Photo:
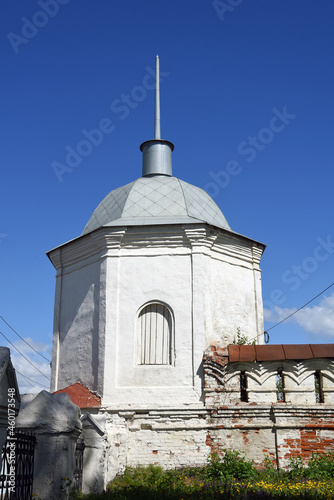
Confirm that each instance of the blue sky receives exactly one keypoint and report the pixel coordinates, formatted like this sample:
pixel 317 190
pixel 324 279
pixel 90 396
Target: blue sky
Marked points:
pixel 247 99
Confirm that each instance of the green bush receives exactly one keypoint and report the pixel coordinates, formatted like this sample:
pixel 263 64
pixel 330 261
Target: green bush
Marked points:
pixel 269 471
pixel 233 466
pixel 138 476
pixel 320 466
pixel 153 478
pixel 297 468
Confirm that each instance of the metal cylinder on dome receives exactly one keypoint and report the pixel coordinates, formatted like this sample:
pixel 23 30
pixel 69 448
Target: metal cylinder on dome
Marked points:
pixel 157 153
pixel 157 157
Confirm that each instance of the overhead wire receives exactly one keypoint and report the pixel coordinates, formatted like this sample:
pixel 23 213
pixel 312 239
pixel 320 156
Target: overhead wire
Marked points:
pixel 24 339
pixel 24 356
pixel 307 303
pixel 266 334
pixel 34 381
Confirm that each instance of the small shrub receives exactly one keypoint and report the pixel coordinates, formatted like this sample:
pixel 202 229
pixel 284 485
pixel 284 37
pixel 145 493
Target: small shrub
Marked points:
pixel 297 468
pixel 138 476
pixel 320 466
pixel 233 466
pixel 269 470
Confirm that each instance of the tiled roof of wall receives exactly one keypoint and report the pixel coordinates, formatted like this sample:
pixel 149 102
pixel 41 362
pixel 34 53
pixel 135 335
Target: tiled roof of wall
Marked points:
pixel 279 352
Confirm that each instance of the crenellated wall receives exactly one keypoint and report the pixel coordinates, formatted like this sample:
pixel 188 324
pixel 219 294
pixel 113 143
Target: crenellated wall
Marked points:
pixel 274 407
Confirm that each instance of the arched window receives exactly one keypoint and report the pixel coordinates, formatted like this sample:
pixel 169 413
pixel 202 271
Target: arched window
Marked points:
pixel 155 335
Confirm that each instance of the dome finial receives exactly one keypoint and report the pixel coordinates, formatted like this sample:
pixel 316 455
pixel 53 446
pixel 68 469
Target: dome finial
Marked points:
pixel 157 153
pixel 157 132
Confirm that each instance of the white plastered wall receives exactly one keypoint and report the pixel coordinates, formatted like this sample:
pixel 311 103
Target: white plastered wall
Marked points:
pixel 209 279
pixel 161 273
pixel 235 292
pixel 76 353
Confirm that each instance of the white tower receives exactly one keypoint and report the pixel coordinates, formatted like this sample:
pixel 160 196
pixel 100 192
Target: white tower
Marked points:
pixel 156 276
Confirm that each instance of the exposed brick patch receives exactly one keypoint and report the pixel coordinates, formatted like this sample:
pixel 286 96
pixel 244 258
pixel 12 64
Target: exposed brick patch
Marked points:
pixel 245 437
pixel 305 442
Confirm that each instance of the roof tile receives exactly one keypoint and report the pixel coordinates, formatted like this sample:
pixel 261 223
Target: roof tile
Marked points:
pixel 269 352
pixel 247 353
pixel 295 351
pixel 323 350
pixel 233 352
pixel 242 353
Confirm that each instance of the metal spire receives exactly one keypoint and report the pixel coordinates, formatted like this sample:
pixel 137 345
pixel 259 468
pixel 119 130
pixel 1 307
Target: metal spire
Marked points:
pixel 157 153
pixel 157 132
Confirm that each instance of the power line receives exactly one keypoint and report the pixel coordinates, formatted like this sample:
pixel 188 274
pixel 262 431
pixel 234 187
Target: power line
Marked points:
pixel 27 378
pixel 24 340
pixel 24 356
pixel 307 303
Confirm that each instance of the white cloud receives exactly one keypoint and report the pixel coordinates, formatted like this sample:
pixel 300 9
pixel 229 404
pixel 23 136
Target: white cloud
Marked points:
pixel 38 346
pixel 317 320
pixel 277 314
pixel 25 368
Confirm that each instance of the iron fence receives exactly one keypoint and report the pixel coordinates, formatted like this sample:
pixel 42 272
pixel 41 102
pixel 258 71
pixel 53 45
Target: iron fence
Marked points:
pixel 79 451
pixel 17 466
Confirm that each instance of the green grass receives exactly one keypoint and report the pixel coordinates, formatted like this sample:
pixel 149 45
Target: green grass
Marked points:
pixel 231 478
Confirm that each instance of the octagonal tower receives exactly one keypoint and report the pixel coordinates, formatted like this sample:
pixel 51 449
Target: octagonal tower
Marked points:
pixel 156 276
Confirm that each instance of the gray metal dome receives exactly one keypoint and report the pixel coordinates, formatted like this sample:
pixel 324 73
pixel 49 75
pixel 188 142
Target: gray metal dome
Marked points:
pixel 157 199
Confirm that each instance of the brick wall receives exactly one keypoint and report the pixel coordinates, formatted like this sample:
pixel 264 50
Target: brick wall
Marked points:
pixel 261 420
pixel 265 419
